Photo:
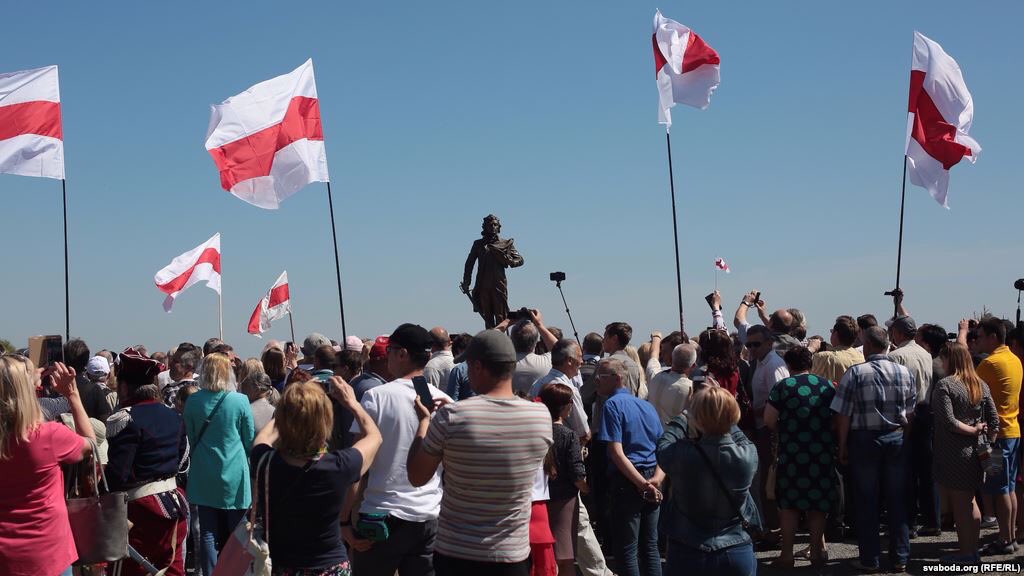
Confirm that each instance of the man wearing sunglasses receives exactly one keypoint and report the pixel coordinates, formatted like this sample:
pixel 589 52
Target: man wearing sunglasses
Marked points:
pixel 769 368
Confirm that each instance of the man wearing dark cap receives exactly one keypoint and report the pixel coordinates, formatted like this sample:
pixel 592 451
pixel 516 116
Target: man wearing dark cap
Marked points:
pixel 907 352
pixel 492 446
pixel 410 511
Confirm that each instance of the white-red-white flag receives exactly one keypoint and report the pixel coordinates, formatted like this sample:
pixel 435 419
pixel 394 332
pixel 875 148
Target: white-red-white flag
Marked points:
pixel 940 116
pixel 276 304
pixel 199 264
pixel 267 142
pixel 686 68
pixel 721 265
pixel 31 138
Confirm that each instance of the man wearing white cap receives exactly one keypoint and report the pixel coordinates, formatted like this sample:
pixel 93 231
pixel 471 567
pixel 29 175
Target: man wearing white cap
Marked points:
pixel 97 372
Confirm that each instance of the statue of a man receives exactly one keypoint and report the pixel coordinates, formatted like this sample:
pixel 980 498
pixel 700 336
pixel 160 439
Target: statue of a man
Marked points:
pixel 490 295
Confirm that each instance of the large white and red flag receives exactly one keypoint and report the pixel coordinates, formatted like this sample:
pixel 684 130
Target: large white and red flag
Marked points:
pixel 686 68
pixel 199 264
pixel 275 305
pixel 267 142
pixel 31 139
pixel 940 116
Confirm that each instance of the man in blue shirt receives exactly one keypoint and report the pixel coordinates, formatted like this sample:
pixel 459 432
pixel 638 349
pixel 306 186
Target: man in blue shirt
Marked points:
pixel 631 428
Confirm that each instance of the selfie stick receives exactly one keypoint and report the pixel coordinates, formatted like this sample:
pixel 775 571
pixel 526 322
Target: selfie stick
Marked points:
pixel 558 284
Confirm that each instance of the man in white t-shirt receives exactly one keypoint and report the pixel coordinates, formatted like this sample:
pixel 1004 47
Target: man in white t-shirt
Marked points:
pixel 410 513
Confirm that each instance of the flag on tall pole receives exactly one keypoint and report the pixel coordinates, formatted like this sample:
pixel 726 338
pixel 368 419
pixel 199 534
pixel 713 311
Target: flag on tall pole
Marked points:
pixel 275 305
pixel 267 142
pixel 940 115
pixel 32 140
pixel 686 68
pixel 200 264
pixel 31 136
pixel 721 265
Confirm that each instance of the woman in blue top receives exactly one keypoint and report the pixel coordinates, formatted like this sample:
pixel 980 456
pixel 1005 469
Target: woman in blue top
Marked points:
pixel 710 465
pixel 220 432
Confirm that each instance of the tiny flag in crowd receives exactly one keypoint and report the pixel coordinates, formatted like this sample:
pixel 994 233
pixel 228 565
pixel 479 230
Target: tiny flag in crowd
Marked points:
pixel 940 116
pixel 267 142
pixel 201 263
pixel 686 68
pixel 31 139
pixel 275 305
pixel 721 265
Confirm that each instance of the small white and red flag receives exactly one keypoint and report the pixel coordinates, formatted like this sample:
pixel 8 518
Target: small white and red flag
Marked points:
pixel 276 304
pixel 721 265
pixel 267 142
pixel 31 138
pixel 686 68
pixel 199 264
pixel 940 116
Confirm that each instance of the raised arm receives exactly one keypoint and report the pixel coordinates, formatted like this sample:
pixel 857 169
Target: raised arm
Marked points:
pixel 371 440
pixel 545 335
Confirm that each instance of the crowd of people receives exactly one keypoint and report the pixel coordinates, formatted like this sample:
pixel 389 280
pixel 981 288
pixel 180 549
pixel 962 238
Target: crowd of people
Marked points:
pixel 516 451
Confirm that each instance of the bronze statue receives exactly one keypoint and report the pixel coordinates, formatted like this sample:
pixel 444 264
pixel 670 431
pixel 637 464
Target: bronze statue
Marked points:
pixel 490 295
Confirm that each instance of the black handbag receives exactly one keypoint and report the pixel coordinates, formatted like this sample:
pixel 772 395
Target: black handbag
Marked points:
pixel 99 524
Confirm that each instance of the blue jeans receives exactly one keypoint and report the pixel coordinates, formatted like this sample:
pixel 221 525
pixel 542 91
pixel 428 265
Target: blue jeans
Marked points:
pixel 634 524
pixel 732 561
pixel 879 466
pixel 215 527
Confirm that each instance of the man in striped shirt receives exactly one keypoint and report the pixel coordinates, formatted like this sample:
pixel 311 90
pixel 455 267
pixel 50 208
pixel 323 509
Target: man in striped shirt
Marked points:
pixel 492 446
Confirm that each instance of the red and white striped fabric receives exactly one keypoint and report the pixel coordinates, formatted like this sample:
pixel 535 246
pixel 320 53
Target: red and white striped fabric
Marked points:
pixel 940 116
pixel 276 304
pixel 199 264
pixel 31 139
pixel 686 68
pixel 267 142
pixel 721 265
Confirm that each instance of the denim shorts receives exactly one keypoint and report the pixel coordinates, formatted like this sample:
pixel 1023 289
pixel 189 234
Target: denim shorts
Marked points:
pixel 1003 483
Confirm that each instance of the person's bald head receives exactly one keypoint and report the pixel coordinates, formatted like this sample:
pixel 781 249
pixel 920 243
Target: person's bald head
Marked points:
pixel 684 356
pixel 781 321
pixel 439 339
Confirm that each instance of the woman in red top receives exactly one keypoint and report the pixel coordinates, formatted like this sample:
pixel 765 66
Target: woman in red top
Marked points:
pixel 35 537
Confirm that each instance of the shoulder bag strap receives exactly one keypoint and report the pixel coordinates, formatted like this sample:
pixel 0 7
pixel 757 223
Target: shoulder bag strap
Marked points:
pixel 721 484
pixel 209 418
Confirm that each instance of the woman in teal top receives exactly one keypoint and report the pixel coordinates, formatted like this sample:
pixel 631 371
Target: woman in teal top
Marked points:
pixel 220 432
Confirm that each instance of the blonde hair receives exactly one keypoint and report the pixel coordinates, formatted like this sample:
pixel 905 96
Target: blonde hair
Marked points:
pixel 714 410
pixel 19 409
pixel 251 366
pixel 961 366
pixel 216 373
pixel 632 353
pixel 304 419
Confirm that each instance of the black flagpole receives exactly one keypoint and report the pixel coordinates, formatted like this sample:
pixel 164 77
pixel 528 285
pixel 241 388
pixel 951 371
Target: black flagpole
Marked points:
pixel 337 265
pixel 899 250
pixel 675 229
pixel 67 297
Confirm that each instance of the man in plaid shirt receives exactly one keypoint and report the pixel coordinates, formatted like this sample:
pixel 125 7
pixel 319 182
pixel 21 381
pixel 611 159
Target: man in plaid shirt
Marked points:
pixel 874 404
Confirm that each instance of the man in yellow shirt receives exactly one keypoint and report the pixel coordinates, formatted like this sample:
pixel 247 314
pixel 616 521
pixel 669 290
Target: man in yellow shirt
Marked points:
pixel 833 363
pixel 1002 371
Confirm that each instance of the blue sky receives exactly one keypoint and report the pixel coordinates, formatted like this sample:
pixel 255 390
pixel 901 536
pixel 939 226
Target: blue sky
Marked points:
pixel 436 114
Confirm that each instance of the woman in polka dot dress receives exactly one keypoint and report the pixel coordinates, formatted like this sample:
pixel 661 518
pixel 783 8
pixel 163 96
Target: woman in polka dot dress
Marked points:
pixel 798 408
